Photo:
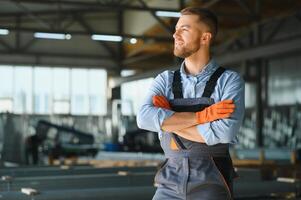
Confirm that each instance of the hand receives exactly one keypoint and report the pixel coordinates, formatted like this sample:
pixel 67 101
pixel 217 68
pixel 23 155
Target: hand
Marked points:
pixel 161 101
pixel 220 110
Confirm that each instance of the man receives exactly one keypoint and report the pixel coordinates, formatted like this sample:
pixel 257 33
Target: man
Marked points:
pixel 197 111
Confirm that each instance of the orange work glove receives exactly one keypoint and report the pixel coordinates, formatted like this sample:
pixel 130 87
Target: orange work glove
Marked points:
pixel 161 101
pixel 173 145
pixel 220 110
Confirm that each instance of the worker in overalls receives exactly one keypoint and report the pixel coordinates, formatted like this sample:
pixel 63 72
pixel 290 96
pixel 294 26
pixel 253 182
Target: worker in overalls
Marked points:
pixel 197 111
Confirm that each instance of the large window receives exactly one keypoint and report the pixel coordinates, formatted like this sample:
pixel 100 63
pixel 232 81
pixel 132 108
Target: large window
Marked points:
pixel 284 81
pixel 250 95
pixel 61 90
pixel 45 90
pixel 22 90
pixel 80 91
pixel 97 91
pixel 6 89
pixel 132 94
pixel 42 90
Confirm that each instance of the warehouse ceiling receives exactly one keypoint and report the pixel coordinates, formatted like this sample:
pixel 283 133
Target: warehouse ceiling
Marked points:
pixel 127 18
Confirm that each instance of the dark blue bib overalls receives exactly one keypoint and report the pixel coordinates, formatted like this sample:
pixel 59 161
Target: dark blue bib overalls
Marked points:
pixel 196 170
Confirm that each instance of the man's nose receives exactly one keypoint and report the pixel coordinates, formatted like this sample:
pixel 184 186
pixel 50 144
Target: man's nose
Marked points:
pixel 176 34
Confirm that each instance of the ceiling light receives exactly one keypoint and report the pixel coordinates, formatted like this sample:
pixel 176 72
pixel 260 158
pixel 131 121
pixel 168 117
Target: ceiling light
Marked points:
pixel 111 38
pixel 55 36
pixel 133 40
pixel 4 31
pixel 168 14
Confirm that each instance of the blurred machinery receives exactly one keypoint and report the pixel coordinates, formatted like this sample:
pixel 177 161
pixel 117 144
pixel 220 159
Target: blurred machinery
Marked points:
pixel 125 132
pixel 281 128
pixel 58 141
pixel 141 141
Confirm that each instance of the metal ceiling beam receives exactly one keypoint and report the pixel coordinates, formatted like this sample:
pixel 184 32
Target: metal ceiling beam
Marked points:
pixel 247 9
pixel 17 35
pixel 30 14
pixel 275 30
pixel 117 81
pixel 225 46
pixel 90 31
pixel 95 4
pixel 56 59
pixel 142 37
pixel 166 27
pixel 68 24
pixel 63 55
pixel 104 8
pixel 29 44
pixel 239 44
pixel 6 45
pixel 210 3
pixel 261 51
pixel 65 11
pixel 182 4
pixel 135 59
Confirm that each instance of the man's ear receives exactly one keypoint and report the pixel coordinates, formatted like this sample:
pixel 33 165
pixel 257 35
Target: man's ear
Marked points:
pixel 206 38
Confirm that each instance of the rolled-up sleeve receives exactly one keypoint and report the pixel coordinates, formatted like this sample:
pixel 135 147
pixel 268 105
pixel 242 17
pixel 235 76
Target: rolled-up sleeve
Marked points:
pixel 150 117
pixel 225 130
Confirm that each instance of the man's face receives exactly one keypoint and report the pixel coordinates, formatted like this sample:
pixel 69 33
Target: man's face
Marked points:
pixel 187 36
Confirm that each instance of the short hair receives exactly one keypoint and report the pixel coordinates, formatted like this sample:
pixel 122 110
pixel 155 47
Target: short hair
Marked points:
pixel 206 16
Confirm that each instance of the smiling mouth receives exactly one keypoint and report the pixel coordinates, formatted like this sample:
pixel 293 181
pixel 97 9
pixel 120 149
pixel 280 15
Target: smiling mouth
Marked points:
pixel 179 43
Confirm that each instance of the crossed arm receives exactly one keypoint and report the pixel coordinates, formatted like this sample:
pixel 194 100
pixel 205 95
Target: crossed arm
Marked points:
pixel 184 123
pixel 160 119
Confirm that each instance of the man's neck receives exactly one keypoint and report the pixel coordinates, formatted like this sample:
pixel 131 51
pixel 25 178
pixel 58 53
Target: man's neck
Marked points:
pixel 196 62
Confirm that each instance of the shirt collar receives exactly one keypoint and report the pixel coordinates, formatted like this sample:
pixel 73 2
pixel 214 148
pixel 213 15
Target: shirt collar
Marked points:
pixel 210 67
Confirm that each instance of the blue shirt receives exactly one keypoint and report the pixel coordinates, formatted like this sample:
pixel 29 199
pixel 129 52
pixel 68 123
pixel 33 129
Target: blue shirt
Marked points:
pixel 229 86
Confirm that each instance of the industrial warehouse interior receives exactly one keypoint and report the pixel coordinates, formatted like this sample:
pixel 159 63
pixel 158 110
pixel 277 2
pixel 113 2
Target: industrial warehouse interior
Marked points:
pixel 74 74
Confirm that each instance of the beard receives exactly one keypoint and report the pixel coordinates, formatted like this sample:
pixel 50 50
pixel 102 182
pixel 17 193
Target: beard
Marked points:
pixel 185 51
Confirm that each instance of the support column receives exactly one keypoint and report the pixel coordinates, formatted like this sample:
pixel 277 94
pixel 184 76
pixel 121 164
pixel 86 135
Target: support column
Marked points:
pixel 18 37
pixel 113 96
pixel 259 65
pixel 259 104
pixel 114 106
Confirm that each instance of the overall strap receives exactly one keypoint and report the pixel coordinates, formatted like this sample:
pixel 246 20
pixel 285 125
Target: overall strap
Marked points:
pixel 178 94
pixel 211 83
pixel 177 85
pixel 178 141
